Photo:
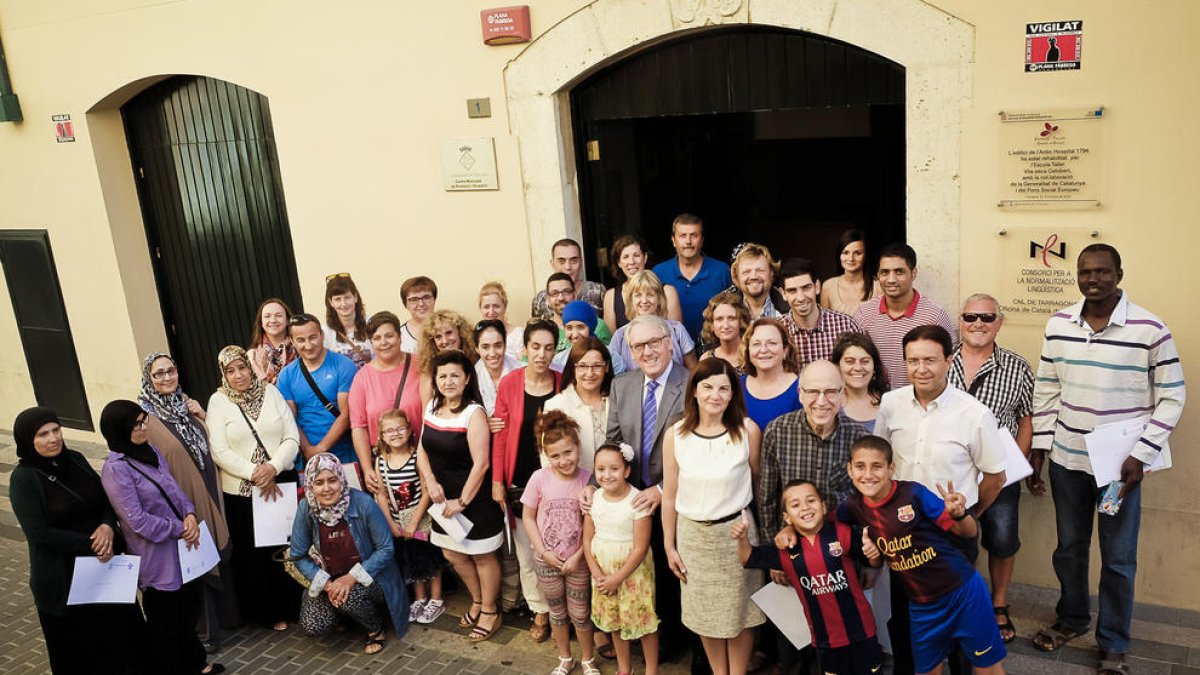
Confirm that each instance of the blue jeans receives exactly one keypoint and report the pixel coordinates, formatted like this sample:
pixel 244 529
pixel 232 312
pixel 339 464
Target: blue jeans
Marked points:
pixel 1075 499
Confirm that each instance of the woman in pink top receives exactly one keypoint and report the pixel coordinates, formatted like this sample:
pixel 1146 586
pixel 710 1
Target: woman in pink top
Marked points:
pixel 391 380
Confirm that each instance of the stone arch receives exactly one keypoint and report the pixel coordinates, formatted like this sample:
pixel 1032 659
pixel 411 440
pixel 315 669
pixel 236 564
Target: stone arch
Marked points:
pixel 936 49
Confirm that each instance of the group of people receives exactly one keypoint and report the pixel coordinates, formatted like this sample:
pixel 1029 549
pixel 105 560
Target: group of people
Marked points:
pixel 627 463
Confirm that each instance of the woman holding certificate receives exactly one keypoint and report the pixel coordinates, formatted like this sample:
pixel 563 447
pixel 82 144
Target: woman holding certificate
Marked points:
pixel 64 513
pixel 155 514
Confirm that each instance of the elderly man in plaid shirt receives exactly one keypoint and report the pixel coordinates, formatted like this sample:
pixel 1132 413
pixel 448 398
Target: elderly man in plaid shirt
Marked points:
pixel 813 329
pixel 814 444
pixel 1003 381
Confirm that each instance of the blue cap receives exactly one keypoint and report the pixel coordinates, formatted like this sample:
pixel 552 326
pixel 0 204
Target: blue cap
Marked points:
pixel 580 310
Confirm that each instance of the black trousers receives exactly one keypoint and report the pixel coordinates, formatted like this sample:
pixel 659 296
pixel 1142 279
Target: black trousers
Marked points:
pixel 900 626
pixel 101 639
pixel 171 623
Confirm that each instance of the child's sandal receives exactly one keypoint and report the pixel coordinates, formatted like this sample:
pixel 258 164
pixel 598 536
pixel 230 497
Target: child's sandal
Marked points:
pixel 479 633
pixel 589 666
pixel 565 665
pixel 375 642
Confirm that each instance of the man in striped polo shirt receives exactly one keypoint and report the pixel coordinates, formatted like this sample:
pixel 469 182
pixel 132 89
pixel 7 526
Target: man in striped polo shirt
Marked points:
pixel 901 309
pixel 1103 360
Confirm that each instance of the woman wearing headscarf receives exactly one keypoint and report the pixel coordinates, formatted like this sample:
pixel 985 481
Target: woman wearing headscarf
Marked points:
pixel 254 442
pixel 175 426
pixel 342 544
pixel 155 514
pixel 60 503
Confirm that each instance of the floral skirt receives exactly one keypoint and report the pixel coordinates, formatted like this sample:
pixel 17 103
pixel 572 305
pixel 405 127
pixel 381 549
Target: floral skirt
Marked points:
pixel 630 611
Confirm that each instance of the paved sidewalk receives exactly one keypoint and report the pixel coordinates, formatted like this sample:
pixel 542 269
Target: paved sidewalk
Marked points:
pixel 1167 640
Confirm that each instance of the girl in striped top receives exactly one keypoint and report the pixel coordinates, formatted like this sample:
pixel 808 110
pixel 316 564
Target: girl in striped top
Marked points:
pixel 406 504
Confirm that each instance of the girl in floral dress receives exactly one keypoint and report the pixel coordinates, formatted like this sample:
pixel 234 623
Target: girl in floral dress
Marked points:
pixel 616 544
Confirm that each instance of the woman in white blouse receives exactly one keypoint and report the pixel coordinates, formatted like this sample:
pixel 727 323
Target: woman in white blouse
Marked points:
pixel 254 442
pixel 494 363
pixel 584 396
pixel 710 465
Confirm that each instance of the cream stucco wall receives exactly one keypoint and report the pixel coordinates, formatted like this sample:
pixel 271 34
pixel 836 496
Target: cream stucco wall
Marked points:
pixel 360 98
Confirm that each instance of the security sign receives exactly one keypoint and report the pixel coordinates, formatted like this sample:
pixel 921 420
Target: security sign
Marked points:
pixel 1057 45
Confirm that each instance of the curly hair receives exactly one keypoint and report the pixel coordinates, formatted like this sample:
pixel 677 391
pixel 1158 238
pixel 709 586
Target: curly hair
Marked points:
pixel 552 426
pixel 707 336
pixel 791 359
pixel 427 348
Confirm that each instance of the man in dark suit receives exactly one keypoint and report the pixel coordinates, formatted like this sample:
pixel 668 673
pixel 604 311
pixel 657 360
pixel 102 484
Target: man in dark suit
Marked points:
pixel 651 398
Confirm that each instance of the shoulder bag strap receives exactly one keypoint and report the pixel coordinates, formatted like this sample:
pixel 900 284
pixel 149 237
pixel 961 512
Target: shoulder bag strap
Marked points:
pixel 153 482
pixel 254 431
pixel 331 407
pixel 54 479
pixel 403 379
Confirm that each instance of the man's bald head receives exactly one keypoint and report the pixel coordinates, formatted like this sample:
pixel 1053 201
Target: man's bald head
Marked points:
pixel 822 392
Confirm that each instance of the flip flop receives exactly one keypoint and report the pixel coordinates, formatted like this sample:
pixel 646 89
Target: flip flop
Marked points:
pixel 1052 638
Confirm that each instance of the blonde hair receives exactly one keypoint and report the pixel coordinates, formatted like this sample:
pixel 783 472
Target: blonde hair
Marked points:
pixel 752 250
pixel 428 347
pixel 494 288
pixel 644 281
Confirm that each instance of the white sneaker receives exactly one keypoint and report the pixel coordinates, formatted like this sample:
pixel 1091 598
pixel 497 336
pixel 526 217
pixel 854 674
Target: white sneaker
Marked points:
pixel 433 609
pixel 414 613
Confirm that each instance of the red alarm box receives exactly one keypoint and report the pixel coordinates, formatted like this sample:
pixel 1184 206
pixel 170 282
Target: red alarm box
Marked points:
pixel 505 25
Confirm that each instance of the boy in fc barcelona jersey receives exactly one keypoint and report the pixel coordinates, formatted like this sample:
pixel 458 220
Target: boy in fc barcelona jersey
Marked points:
pixel 949 602
pixel 821 568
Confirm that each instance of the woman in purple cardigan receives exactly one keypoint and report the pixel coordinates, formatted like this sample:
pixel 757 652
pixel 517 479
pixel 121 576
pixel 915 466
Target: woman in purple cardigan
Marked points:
pixel 154 514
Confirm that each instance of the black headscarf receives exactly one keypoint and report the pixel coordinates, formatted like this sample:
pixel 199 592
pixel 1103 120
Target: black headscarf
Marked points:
pixel 117 422
pixel 25 427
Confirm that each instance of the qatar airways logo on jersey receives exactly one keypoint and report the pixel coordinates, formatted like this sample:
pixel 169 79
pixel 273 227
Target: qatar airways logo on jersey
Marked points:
pixel 820 584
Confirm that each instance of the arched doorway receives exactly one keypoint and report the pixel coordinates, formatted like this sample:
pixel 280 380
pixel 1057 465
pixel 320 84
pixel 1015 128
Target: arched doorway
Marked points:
pixel 208 181
pixel 771 135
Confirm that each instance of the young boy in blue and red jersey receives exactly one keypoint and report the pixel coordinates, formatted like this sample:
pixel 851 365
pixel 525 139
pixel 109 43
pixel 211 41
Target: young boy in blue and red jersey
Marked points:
pixel 821 568
pixel 949 603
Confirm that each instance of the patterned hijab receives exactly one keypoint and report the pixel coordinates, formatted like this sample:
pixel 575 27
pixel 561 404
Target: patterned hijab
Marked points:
pixel 328 515
pixel 172 409
pixel 251 400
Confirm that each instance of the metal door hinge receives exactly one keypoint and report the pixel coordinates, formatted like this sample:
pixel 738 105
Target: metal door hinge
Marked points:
pixel 593 151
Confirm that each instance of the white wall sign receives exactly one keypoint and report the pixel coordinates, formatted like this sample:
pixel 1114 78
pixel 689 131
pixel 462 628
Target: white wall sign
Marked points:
pixel 469 164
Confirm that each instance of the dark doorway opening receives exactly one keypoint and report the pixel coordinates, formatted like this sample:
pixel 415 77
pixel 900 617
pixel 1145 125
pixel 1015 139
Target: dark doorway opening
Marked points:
pixel 204 160
pixel 770 135
pixel 41 315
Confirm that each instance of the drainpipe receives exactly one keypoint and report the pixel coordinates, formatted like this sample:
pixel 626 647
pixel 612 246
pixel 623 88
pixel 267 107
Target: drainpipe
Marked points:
pixel 10 107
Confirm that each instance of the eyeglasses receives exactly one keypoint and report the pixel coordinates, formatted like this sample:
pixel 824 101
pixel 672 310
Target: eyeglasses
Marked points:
pixel 972 317
pixel 815 394
pixel 591 367
pixel 141 423
pixel 653 345
pixel 301 319
pixel 339 275
pixel 420 299
pixel 561 292
pixel 164 374
pixel 394 432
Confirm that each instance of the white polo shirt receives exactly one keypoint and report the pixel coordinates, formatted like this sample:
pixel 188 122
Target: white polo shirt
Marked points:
pixel 954 439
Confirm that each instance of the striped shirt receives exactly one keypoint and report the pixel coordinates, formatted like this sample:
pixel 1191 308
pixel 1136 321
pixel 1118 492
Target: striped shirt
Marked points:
pixel 816 344
pixel 888 333
pixel 1004 384
pixel 1130 368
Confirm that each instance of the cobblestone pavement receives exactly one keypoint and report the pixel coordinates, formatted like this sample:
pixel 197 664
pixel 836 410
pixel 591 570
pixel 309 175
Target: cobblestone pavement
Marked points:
pixel 1167 640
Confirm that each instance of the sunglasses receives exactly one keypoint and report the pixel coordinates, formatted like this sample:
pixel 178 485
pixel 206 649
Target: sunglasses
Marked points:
pixel 972 317
pixel 339 275
pixel 301 319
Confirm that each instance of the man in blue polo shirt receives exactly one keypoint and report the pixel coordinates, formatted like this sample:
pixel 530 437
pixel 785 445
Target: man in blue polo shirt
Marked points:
pixel 324 425
pixel 696 276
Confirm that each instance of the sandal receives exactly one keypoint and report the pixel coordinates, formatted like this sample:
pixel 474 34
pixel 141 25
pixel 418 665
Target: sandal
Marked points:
pixel 565 665
pixel 1008 630
pixel 375 642
pixel 466 620
pixel 589 666
pixel 539 631
pixel 1052 638
pixel 1111 666
pixel 607 651
pixel 479 633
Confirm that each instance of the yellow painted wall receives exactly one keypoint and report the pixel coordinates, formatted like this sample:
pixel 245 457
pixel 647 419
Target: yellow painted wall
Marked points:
pixel 360 94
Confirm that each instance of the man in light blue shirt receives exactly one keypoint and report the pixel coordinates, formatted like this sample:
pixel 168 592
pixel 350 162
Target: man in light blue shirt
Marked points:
pixel 324 425
pixel 694 275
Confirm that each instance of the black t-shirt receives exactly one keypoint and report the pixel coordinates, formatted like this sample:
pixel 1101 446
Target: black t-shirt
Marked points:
pixel 527 450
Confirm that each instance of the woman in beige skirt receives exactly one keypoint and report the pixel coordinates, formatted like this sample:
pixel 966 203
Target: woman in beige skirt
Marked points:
pixel 710 463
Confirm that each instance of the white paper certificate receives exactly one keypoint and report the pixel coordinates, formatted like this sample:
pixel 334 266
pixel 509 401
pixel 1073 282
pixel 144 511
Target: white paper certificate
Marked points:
pixel 456 528
pixel 194 562
pixel 1109 445
pixel 273 520
pixel 782 606
pixel 112 581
